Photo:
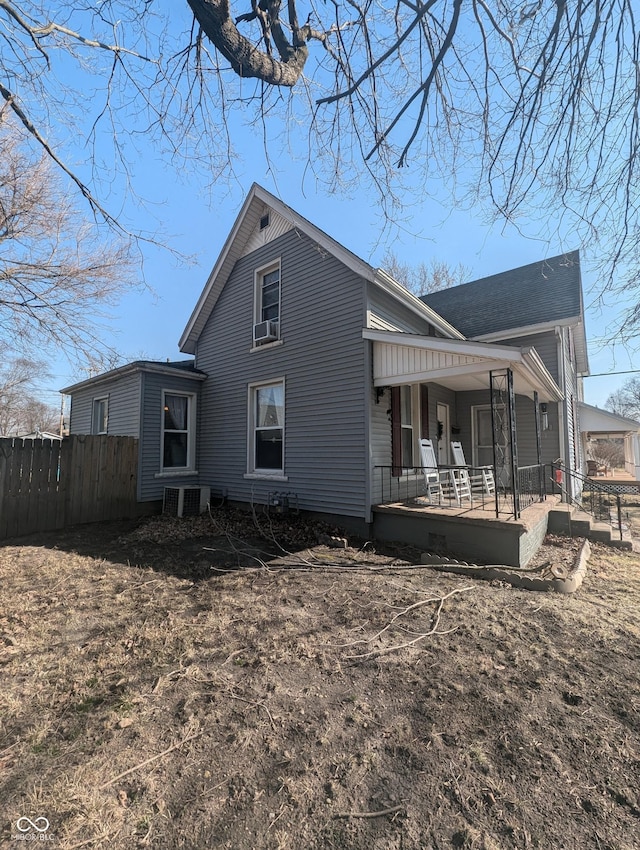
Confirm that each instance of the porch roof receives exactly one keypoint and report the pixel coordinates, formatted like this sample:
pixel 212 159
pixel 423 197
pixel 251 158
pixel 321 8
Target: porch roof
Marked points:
pixel 594 420
pixel 460 365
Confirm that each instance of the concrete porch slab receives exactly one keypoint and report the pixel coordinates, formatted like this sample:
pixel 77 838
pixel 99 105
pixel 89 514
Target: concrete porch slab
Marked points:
pixel 476 535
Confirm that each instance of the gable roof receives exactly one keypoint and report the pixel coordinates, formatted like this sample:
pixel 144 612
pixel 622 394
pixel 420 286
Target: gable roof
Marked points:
pixel 519 302
pixel 544 292
pixel 255 205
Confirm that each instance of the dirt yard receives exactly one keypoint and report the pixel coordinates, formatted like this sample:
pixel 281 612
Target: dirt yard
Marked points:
pixel 187 684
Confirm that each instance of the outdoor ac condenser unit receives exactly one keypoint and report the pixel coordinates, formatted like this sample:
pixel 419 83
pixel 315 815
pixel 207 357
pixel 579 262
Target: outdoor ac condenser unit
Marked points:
pixel 185 501
pixel 265 331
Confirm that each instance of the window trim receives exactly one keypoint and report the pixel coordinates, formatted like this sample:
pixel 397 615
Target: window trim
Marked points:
pixel 252 397
pixel 419 427
pixel 190 431
pixel 259 275
pixel 95 428
pixel 408 426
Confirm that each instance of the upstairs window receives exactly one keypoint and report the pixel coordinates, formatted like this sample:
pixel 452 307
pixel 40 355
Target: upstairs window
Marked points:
pixel 178 438
pixel 100 416
pixel 266 323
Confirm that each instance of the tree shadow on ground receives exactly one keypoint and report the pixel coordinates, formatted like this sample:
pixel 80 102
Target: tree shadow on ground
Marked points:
pixel 194 548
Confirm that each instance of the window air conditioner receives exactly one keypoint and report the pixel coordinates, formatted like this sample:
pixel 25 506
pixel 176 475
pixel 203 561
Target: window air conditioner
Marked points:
pixel 265 331
pixel 185 501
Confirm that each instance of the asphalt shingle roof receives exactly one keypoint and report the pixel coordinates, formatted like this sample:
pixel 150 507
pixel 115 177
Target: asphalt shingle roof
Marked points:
pixel 542 292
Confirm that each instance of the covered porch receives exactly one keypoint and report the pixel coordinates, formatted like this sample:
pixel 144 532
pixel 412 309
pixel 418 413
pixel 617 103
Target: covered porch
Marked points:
pixel 499 402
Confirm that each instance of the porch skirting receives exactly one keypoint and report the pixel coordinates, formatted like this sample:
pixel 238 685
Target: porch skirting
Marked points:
pixel 482 539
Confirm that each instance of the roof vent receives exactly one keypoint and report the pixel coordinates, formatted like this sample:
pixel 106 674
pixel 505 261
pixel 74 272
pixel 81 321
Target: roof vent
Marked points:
pixel 264 221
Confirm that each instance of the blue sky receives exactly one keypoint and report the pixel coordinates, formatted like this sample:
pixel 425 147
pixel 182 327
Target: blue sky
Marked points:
pixel 193 214
pixel 149 323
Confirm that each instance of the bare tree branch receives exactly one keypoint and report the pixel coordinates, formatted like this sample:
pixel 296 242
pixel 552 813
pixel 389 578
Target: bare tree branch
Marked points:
pixel 56 276
pixel 517 109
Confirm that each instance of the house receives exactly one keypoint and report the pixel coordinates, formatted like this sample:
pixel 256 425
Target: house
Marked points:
pixel 315 375
pixel 597 424
pixel 40 435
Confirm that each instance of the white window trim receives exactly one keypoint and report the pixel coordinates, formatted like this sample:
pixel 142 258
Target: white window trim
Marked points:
pixel 257 298
pixel 415 471
pixel 94 403
pixel 252 471
pixel 274 344
pixel 191 436
pixel 415 445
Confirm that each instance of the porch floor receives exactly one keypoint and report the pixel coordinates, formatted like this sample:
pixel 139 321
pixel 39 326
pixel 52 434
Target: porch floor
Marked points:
pixel 616 474
pixel 618 478
pixel 477 512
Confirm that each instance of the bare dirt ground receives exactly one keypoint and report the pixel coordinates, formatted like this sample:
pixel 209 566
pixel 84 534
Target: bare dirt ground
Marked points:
pixel 187 684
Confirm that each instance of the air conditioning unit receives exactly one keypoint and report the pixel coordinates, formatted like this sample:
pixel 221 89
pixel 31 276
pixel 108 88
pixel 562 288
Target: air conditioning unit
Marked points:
pixel 265 331
pixel 185 501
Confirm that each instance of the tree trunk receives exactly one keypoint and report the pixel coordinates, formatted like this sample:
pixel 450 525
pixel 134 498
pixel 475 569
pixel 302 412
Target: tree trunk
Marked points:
pixel 214 16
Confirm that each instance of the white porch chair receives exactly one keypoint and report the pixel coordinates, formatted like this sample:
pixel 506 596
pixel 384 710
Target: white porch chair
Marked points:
pixel 432 475
pixel 483 476
pixel 456 481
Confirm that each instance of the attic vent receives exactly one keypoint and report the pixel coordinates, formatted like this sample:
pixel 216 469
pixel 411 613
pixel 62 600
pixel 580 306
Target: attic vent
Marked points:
pixel 264 221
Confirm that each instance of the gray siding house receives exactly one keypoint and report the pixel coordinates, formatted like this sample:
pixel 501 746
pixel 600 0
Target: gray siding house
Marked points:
pixel 315 375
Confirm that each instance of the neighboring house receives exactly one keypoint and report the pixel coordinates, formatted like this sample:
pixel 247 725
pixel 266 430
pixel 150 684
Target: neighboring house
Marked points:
pixel 315 375
pixel 597 424
pixel 39 435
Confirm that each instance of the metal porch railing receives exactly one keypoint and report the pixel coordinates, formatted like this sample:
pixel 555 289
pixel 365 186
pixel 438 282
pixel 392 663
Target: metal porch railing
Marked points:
pixel 531 485
pixel 597 498
pixel 410 487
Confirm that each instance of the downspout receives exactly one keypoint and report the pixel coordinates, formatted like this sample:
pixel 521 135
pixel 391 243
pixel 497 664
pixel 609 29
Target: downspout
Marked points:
pixel 563 437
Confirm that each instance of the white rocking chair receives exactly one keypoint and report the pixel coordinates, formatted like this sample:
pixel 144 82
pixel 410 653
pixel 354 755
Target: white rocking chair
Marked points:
pixel 483 477
pixel 456 480
pixel 432 475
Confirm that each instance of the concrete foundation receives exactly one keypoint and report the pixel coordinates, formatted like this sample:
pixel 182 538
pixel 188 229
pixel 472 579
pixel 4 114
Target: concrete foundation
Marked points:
pixel 472 538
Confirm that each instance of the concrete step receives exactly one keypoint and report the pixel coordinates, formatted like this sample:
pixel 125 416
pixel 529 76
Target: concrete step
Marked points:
pixel 572 522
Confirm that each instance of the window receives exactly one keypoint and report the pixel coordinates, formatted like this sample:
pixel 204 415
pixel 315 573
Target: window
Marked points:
pixel 406 426
pixel 100 416
pixel 178 412
pixel 267 428
pixel 266 318
pixel 483 436
pixel 409 423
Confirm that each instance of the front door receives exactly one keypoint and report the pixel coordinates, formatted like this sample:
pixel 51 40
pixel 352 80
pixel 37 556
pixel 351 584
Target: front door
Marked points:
pixel 444 432
pixel 483 444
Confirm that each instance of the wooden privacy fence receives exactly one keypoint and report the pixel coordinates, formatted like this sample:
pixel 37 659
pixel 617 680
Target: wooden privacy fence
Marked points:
pixel 48 484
